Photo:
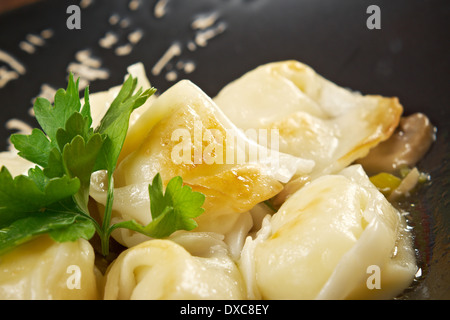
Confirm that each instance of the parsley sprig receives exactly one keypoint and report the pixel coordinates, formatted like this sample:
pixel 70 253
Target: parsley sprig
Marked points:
pixel 53 197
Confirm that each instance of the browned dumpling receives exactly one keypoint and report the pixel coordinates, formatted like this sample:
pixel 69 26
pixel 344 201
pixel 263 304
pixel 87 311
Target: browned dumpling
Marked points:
pixel 316 119
pixel 183 133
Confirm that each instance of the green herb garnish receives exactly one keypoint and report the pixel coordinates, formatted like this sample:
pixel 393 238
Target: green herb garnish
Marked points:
pixel 171 211
pixel 53 197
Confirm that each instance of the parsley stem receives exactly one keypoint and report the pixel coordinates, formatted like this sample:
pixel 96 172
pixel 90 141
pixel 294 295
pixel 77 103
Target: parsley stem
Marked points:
pixel 107 216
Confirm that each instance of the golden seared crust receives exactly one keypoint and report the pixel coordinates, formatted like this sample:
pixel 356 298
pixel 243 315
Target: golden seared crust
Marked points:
pixel 184 134
pixel 384 121
pixel 317 119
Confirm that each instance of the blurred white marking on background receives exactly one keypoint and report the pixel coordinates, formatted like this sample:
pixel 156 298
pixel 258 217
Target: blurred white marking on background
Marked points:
pixel 27 47
pixel 187 67
pixel 7 75
pixel 47 33
pixel 173 51
pixel 204 21
pixel 203 36
pixel 171 75
pixel 85 3
pixel 85 57
pixel 124 23
pixel 87 68
pixel 124 50
pixel 12 62
pixel 135 36
pixel 33 40
pixel 108 40
pixel 134 4
pixel 114 19
pixel 160 9
pixel 19 125
pixel 191 46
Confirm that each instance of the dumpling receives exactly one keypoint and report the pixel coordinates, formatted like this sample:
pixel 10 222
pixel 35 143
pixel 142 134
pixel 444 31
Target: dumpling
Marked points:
pixel 316 119
pixel 189 266
pixel 216 143
pixel 43 269
pixel 336 238
pixel 183 133
pixel 15 164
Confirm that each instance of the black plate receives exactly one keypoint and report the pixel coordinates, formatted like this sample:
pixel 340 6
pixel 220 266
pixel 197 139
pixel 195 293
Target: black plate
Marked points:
pixel 408 58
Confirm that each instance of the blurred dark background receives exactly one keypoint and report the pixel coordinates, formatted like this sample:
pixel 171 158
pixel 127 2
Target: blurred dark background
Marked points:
pixel 8 5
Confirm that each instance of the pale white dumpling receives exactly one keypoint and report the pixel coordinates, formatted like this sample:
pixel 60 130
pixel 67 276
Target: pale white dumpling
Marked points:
pixel 183 133
pixel 16 165
pixel 336 238
pixel 43 269
pixel 316 119
pixel 189 266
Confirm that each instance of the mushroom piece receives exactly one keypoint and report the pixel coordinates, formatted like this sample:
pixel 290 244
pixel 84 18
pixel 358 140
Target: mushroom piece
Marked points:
pixel 408 145
pixel 289 189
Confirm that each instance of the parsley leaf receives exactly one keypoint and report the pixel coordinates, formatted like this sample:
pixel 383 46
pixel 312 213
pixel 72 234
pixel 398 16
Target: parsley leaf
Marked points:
pixel 81 227
pixel 35 204
pixel 59 121
pixel 34 147
pixel 53 198
pixel 24 195
pixel 171 211
pixel 60 226
pixel 115 122
pixel 69 145
pixel 115 126
pixel 76 125
pixel 51 118
pixel 79 157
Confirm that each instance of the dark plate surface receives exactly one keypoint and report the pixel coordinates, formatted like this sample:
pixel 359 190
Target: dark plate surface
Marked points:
pixel 408 58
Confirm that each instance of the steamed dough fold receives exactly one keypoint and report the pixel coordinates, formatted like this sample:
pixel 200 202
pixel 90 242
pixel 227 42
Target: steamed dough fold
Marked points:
pixel 189 266
pixel 316 119
pixel 325 240
pixel 231 187
pixel 43 269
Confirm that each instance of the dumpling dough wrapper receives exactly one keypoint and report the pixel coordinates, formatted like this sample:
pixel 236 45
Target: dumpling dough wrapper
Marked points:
pixel 336 238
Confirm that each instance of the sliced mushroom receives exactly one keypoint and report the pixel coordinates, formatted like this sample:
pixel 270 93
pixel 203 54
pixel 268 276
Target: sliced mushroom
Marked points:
pixel 289 189
pixel 407 146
